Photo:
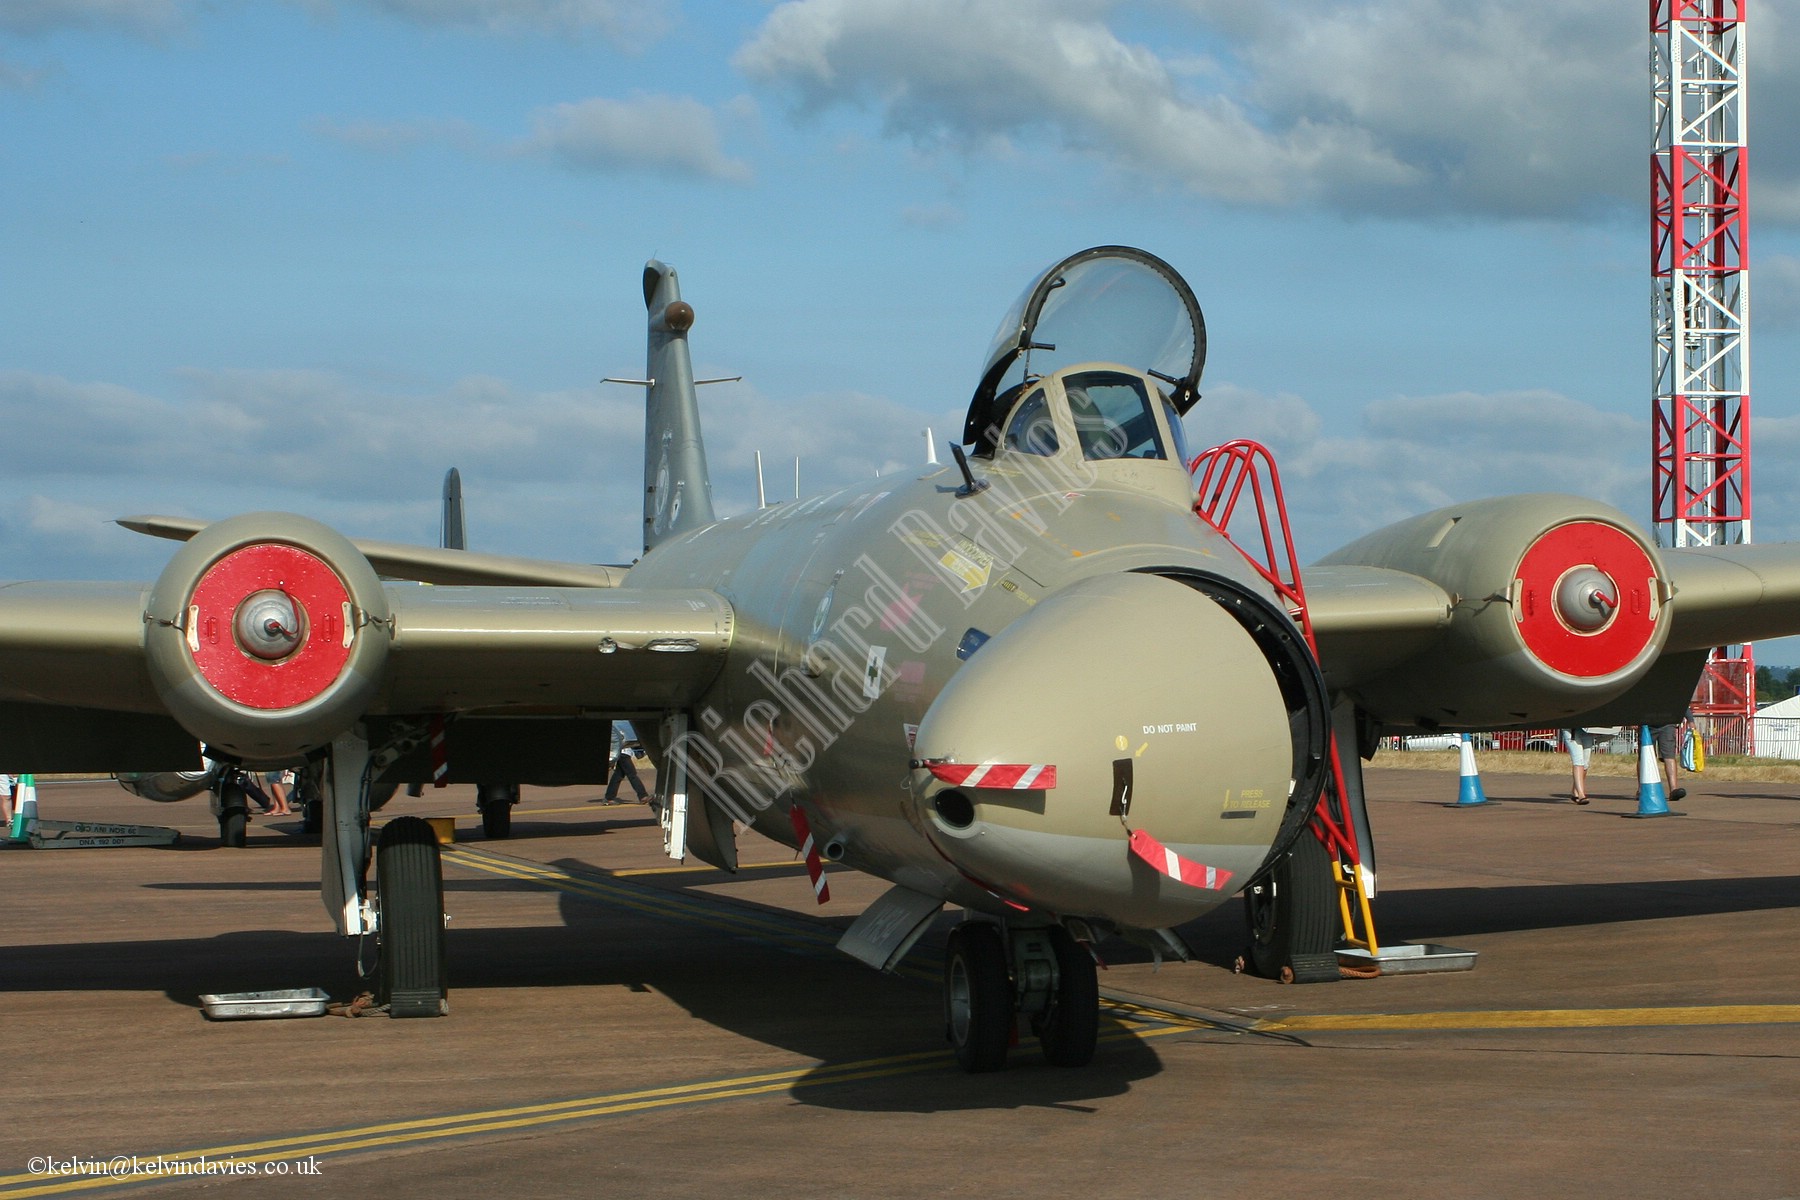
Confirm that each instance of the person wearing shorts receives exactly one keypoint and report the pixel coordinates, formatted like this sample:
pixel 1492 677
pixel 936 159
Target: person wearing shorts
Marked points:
pixel 1668 752
pixel 1581 744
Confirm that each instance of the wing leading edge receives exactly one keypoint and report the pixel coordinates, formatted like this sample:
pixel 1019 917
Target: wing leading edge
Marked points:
pixel 427 564
pixel 69 651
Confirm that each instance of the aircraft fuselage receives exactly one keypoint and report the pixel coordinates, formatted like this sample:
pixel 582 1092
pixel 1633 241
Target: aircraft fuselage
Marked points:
pixel 883 628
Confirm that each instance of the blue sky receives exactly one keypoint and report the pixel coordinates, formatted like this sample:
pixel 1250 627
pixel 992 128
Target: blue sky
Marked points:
pixel 307 254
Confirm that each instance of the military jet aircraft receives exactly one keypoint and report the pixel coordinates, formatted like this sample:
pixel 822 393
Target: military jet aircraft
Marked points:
pixel 1033 684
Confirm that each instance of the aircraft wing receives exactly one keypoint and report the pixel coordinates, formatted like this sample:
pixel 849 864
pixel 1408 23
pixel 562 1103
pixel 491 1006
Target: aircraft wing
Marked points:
pixel 427 564
pixel 1368 618
pixel 1450 620
pixel 78 658
pixel 1727 595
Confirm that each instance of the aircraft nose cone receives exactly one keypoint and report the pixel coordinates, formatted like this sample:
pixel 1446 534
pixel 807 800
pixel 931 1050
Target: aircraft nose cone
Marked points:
pixel 1158 712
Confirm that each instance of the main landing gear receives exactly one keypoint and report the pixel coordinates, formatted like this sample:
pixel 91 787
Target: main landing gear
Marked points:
pixel 410 974
pixel 404 909
pixel 495 803
pixel 1292 917
pixel 231 804
pixel 992 975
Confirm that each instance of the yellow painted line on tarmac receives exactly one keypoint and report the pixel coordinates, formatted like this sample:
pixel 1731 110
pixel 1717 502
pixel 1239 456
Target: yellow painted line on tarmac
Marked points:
pixel 643 899
pixel 164 1166
pixel 1539 1018
pixel 518 811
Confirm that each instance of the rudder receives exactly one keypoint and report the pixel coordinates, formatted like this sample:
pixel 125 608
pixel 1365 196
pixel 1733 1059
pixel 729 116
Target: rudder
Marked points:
pixel 677 488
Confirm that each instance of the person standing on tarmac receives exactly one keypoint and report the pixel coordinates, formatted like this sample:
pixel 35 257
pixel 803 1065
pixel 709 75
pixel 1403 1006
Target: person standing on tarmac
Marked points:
pixel 1581 748
pixel 1668 752
pixel 623 769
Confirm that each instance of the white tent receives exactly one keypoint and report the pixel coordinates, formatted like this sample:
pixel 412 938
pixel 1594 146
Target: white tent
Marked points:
pixel 1778 729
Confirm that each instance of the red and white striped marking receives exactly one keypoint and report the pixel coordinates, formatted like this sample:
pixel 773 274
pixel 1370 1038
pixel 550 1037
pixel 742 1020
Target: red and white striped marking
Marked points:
pixel 1016 777
pixel 815 870
pixel 440 754
pixel 1176 867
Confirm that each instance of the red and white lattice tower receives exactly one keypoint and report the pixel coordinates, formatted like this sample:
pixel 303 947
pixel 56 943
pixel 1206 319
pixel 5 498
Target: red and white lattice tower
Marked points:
pixel 1699 247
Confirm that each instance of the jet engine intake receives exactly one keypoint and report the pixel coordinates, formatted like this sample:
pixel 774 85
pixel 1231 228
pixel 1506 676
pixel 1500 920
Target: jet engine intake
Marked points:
pixel 267 635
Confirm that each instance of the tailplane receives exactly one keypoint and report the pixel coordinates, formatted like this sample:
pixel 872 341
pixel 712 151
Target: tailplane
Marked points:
pixel 677 489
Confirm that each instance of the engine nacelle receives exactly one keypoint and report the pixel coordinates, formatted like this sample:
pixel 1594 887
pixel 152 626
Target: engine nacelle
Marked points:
pixel 1559 608
pixel 267 635
pixel 166 787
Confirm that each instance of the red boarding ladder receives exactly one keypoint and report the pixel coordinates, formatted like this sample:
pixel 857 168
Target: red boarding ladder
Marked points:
pixel 1223 475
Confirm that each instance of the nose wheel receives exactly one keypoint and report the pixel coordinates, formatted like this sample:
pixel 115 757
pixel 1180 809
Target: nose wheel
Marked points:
pixel 1070 1024
pixel 990 977
pixel 978 1000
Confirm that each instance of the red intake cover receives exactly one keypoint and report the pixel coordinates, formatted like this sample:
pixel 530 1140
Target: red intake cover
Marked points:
pixel 317 592
pixel 1586 654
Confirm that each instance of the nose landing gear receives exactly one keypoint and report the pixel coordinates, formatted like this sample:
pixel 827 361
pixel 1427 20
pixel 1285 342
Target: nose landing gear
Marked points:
pixel 990 978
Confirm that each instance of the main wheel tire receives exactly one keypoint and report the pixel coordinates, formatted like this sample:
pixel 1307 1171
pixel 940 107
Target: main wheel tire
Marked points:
pixel 234 828
pixel 1068 1030
pixel 234 815
pixel 495 801
pixel 1291 913
pixel 978 999
pixel 409 883
pixel 312 817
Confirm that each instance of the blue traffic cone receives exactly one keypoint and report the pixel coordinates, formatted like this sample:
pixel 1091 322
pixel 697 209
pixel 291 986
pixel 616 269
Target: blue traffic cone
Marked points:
pixel 1470 793
pixel 24 820
pixel 1652 800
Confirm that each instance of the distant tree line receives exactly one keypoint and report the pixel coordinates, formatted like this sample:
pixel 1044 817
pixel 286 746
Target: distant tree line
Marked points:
pixel 1776 683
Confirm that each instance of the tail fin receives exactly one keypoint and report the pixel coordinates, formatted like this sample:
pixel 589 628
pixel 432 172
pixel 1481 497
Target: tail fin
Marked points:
pixel 455 537
pixel 677 490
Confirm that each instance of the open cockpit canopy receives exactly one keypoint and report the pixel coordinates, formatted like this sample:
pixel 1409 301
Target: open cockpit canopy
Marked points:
pixel 1111 304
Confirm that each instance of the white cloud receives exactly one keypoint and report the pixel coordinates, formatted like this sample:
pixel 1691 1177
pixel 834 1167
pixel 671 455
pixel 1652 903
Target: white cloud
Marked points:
pixel 1405 107
pixel 674 137
pixel 546 474
pixel 982 75
pixel 841 438
pixel 1532 108
pixel 366 460
pixel 631 24
pixel 147 17
pixel 14 78
pixel 665 135
pixel 933 216
pixel 1411 454
pixel 398 137
pixel 1775 293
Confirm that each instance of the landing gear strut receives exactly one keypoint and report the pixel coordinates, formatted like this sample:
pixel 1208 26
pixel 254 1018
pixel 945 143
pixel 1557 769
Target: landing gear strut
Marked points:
pixel 990 977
